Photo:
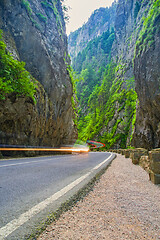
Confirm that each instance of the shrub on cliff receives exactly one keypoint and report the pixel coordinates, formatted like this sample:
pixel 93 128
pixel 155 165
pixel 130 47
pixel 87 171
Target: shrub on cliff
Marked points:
pixel 13 76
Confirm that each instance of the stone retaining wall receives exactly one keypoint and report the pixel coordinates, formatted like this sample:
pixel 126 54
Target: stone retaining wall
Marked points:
pixel 150 161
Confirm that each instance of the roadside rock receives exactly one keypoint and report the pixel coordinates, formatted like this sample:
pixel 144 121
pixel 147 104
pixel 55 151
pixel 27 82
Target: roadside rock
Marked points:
pixel 136 155
pixel 154 173
pixel 149 161
pixel 144 162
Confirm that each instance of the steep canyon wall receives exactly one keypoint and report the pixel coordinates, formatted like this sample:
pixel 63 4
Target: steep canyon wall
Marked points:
pixel 147 78
pixel 135 52
pixel 34 32
pixel 137 42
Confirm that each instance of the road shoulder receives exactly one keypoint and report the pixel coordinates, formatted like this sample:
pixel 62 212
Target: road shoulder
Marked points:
pixel 124 204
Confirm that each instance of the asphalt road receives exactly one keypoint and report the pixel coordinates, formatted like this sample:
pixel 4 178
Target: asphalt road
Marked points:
pixel 31 188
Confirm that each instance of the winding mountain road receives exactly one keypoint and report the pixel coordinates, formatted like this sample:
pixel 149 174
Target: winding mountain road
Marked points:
pixel 31 188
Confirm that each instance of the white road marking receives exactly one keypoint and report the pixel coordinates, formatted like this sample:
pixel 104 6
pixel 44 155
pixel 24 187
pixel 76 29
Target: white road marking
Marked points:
pixel 15 164
pixel 23 218
pixel 99 165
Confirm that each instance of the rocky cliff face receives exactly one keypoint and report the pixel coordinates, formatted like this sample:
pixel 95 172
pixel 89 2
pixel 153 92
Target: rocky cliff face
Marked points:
pixel 138 39
pixel 100 21
pixel 147 77
pixel 34 32
pixel 136 25
pixel 127 26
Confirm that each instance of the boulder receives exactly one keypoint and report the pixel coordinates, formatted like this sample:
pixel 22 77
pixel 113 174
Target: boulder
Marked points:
pixel 154 157
pixel 136 154
pixel 144 162
pixel 155 178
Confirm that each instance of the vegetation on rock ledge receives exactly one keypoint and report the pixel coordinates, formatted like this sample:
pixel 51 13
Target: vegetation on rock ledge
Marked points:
pixel 106 94
pixel 13 76
pixel 102 122
pixel 150 27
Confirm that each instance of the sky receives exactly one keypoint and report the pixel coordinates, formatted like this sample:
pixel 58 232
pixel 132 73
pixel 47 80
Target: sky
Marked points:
pixel 81 10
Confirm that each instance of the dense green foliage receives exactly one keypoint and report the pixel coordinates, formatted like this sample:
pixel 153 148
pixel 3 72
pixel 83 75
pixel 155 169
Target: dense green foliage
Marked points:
pixel 74 99
pixel 150 27
pixel 88 81
pixel 102 103
pixel 13 76
pixel 96 52
pixel 107 109
pixel 93 28
pixel 90 66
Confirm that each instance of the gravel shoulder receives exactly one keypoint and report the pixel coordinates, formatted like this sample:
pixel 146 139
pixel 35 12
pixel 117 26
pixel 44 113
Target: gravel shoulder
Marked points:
pixel 124 204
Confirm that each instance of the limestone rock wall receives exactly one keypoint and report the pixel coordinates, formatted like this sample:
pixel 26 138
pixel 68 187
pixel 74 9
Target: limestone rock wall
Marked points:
pixel 127 27
pixel 100 21
pixel 35 33
pixel 147 78
pixel 25 123
pixel 142 65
